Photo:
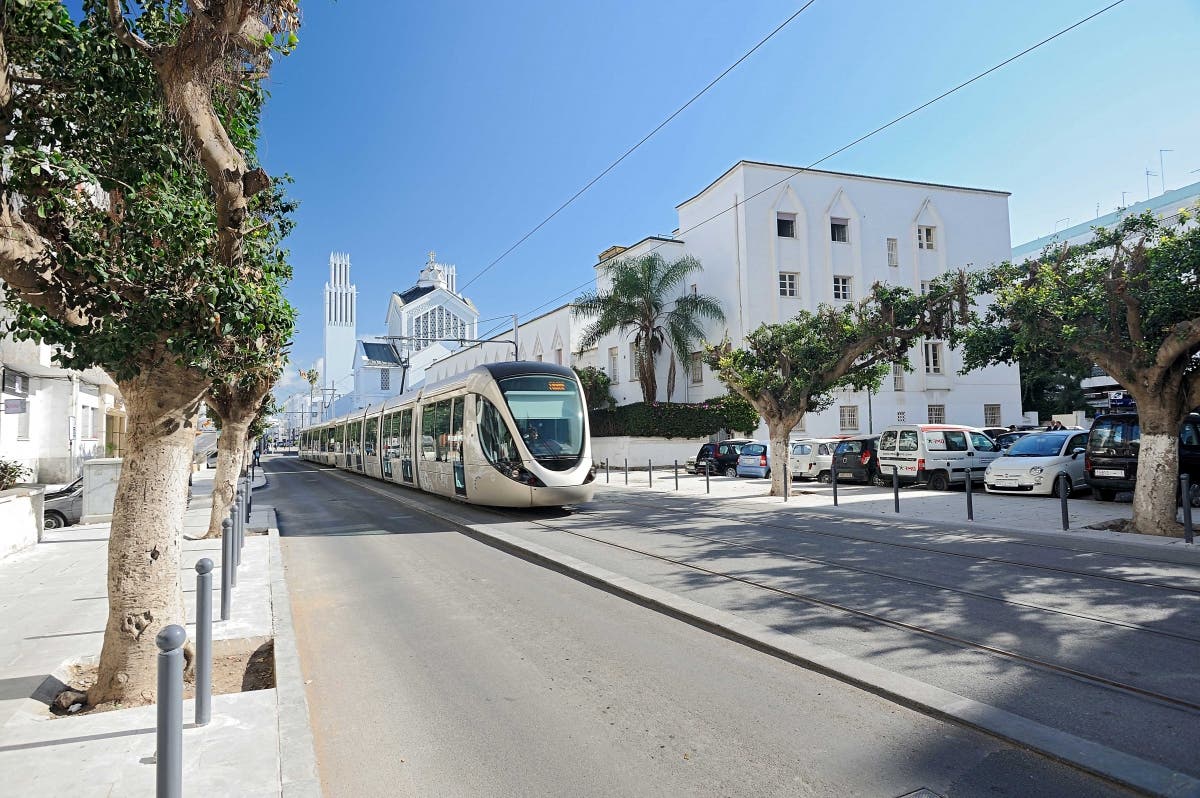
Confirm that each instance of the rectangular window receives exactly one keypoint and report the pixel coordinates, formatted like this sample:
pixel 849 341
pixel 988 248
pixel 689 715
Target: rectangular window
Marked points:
pixel 694 290
pixel 612 364
pixel 842 289
pixel 633 363
pixel 848 416
pixel 991 415
pixel 787 283
pixel 933 357
pixel 785 225
pixel 370 436
pixel 385 379
pixel 558 356
pixel 697 368
pixel 839 230
pixel 799 427
pixel 937 414
pixel 926 237
pixel 897 377
pixel 893 252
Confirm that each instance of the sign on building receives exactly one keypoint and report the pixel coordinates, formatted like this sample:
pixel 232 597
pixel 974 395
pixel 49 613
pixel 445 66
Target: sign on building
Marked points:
pixel 14 406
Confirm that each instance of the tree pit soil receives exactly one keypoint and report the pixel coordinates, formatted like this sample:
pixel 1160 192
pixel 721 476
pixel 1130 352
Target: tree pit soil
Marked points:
pixel 238 666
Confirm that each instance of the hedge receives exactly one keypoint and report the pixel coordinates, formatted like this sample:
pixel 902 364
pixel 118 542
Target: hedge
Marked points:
pixel 675 420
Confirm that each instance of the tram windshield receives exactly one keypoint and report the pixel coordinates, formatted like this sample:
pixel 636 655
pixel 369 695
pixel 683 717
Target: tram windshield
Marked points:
pixel 548 414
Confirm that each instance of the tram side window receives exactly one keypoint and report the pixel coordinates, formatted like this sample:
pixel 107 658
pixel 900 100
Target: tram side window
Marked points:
pixel 494 437
pixel 435 428
pixel 391 435
pixel 406 452
pixel 456 430
pixel 372 435
pixel 339 439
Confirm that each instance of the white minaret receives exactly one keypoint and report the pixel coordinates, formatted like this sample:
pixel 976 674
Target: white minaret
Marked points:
pixel 341 307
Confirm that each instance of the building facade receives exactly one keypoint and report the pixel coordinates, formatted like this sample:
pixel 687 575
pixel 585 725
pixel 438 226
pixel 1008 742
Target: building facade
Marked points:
pixel 341 319
pixel 552 337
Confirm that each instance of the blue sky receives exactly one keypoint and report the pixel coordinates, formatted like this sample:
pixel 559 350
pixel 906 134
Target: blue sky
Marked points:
pixel 458 126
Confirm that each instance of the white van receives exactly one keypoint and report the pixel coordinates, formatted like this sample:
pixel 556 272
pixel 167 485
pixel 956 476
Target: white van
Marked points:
pixel 936 454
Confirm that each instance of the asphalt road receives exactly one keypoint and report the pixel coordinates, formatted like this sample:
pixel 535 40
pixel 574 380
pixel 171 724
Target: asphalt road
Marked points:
pixel 438 666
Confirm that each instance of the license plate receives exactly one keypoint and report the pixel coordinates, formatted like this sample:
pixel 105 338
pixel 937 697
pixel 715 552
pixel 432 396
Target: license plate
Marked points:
pixel 1110 472
pixel 1007 482
pixel 845 475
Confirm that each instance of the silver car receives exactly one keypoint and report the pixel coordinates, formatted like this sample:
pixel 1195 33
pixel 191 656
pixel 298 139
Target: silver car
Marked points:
pixel 64 506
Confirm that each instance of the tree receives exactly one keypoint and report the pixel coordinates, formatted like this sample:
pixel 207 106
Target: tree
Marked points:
pixel 109 249
pixel 790 369
pixel 1128 301
pixel 238 404
pixel 640 291
pixel 1050 382
pixel 597 387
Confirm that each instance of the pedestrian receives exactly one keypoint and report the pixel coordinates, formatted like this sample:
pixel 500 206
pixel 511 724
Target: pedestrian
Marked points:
pixel 257 454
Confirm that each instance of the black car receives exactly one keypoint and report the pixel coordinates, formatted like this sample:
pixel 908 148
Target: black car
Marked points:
pixel 718 458
pixel 857 460
pixel 1111 460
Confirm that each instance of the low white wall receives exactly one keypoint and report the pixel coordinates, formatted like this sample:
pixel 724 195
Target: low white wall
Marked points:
pixel 640 451
pixel 20 519
pixel 100 489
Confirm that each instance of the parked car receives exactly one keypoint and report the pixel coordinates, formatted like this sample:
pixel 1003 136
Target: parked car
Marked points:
pixel 1007 439
pixel 857 460
pixel 993 432
pixel 754 460
pixel 1045 463
pixel 937 454
pixel 64 506
pixel 1111 459
pixel 812 459
pixel 718 458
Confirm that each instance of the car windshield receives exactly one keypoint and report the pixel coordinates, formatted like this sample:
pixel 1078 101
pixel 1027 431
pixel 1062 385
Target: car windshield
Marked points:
pixel 752 449
pixel 548 413
pixel 1037 446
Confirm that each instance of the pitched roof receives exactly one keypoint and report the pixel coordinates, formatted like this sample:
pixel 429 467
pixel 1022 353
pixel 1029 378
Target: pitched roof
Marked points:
pixel 380 353
pixel 416 292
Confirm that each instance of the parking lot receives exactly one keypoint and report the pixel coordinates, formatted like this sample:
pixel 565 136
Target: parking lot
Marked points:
pixel 1007 512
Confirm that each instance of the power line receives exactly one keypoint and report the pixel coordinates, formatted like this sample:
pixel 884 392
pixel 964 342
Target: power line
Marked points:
pixel 862 138
pixel 631 150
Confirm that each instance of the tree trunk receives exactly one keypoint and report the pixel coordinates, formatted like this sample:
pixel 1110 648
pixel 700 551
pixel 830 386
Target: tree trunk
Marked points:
pixel 231 449
pixel 648 379
pixel 778 431
pixel 145 543
pixel 1154 509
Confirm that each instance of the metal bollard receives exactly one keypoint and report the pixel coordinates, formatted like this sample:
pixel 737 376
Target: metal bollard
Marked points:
pixel 607 476
pixel 787 482
pixel 896 487
pixel 203 641
pixel 650 472
pixel 676 475
pixel 1062 498
pixel 833 481
pixel 226 567
pixel 168 759
pixel 970 497
pixel 249 499
pixel 707 477
pixel 626 470
pixel 1187 508
pixel 233 546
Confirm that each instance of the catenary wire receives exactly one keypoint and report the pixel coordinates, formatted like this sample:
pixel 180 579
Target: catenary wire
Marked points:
pixel 860 139
pixel 644 139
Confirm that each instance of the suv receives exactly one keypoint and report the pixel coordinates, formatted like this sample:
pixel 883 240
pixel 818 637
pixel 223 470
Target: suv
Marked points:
pixel 857 459
pixel 1110 463
pixel 718 458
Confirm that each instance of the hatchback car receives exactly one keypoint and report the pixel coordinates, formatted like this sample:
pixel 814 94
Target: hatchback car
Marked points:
pixel 1111 460
pixel 1045 463
pixel 857 460
pixel 755 460
pixel 718 458
pixel 812 459
pixel 64 506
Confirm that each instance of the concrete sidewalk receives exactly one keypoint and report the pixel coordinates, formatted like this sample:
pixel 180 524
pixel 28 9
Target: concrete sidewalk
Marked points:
pixel 53 610
pixel 1003 513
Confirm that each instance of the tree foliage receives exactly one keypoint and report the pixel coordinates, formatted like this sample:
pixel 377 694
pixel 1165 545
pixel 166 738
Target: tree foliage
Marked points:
pixel 597 387
pixel 645 298
pixel 790 369
pixel 1127 300
pixel 674 420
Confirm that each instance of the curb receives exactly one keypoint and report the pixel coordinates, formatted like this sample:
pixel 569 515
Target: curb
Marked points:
pixel 1107 763
pixel 297 755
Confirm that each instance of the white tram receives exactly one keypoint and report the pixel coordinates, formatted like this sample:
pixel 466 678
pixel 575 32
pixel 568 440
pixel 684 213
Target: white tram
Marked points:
pixel 503 434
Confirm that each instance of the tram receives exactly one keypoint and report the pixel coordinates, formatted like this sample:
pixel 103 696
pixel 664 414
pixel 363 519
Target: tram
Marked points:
pixel 509 434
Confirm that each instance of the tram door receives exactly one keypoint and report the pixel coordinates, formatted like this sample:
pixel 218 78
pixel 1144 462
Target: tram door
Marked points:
pixel 406 445
pixel 457 444
pixel 371 445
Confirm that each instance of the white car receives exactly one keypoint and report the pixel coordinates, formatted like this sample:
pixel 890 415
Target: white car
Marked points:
pixel 1042 463
pixel 812 458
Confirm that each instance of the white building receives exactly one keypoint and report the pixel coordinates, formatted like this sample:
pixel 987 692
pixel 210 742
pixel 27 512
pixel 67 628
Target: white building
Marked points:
pixel 1100 389
pixel 51 418
pixel 551 337
pixel 776 239
pixel 341 313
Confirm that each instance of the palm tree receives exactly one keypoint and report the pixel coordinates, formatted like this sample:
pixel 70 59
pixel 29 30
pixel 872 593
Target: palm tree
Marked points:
pixel 641 299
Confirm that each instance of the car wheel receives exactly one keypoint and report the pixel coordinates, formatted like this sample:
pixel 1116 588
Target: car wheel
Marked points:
pixel 768 474
pixel 1105 494
pixel 1061 483
pixel 54 520
pixel 825 477
pixel 939 481
pixel 731 472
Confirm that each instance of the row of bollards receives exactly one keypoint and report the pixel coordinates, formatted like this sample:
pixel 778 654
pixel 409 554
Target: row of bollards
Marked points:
pixel 170 640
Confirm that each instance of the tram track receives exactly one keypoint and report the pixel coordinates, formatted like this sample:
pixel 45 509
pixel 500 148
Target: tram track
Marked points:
pixel 1076 674
pixel 930 549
